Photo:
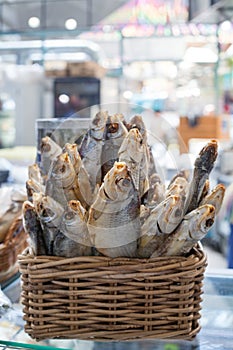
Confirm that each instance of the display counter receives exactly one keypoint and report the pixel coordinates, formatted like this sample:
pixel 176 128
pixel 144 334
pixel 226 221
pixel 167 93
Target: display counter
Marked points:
pixel 216 321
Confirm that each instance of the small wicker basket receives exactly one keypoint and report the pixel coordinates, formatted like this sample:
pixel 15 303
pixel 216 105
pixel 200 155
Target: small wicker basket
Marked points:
pixel 103 299
pixel 14 244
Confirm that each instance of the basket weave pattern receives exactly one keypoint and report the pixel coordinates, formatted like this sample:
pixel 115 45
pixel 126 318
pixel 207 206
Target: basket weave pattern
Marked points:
pixel 103 299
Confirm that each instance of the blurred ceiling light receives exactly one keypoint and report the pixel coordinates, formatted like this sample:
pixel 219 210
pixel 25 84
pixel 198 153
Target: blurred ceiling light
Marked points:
pixel 63 98
pixel 127 94
pixel 34 22
pixel 71 24
pixel 200 55
pixel 226 26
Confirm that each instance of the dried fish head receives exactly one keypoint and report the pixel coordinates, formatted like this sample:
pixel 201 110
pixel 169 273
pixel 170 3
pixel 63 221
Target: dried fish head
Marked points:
pixel 179 186
pixel 215 197
pixel 118 182
pixel 75 158
pixel 115 127
pixel 49 151
pixel 62 171
pixel 115 134
pixel 172 214
pixel 137 122
pixel 202 167
pixel 98 124
pixel 74 224
pixel 200 221
pixel 48 210
pixel 132 146
pixel 34 173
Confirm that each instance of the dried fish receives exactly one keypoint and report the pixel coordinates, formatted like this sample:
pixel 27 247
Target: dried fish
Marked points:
pixel 50 213
pixel 9 216
pixel 138 123
pixel 155 193
pixel 34 173
pixel 193 228
pixel 33 187
pixel 62 183
pixel 91 148
pixel 49 151
pixel 115 133
pixel 114 217
pixel 163 219
pixel 202 167
pixel 131 152
pixel 33 227
pixel 74 226
pixel 84 190
pixel 205 191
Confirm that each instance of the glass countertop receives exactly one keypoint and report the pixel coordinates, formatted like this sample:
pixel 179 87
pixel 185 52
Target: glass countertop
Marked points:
pixel 216 322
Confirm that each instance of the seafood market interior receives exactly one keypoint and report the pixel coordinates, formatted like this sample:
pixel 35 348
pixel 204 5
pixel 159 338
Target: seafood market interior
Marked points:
pixel 117 114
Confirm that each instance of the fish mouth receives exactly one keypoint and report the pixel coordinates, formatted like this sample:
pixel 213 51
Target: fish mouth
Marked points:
pixel 205 222
pixel 47 215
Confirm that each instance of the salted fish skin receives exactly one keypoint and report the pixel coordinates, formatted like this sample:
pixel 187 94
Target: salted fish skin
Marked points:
pixel 114 217
pixel 193 228
pixel 33 227
pixel 115 134
pixel 66 247
pixel 74 226
pixel 90 149
pixel 202 167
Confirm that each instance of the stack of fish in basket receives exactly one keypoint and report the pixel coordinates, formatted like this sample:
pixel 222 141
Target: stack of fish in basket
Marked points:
pixel 114 253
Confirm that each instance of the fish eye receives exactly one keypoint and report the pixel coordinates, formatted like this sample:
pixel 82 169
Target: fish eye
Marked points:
pixel 112 128
pixel 209 222
pixel 70 215
pixel 126 182
pixel 62 169
pixel 178 212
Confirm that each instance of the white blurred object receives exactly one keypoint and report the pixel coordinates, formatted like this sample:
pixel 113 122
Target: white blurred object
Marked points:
pixel 5 303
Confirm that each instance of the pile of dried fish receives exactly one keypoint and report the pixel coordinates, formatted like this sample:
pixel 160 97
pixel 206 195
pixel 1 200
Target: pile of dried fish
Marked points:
pixel 11 201
pixel 104 196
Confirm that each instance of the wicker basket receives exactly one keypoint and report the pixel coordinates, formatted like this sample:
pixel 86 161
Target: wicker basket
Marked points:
pixel 103 299
pixel 14 244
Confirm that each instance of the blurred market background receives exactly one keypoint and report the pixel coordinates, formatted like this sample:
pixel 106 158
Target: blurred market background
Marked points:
pixel 170 61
